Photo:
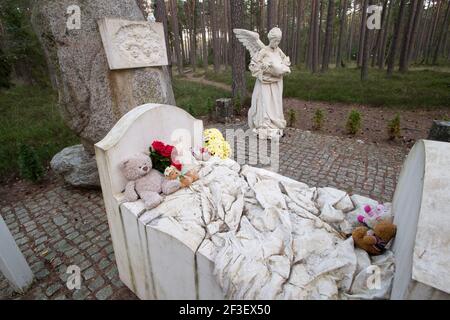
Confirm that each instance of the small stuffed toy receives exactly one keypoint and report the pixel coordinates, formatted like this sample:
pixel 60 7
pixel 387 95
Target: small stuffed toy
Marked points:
pixel 372 215
pixel 185 179
pixel 201 154
pixel 374 241
pixel 145 182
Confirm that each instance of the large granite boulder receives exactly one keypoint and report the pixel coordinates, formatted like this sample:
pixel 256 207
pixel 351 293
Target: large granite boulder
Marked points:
pixel 91 96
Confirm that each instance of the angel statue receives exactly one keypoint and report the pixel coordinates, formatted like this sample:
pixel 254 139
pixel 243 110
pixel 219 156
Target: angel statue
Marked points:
pixel 268 65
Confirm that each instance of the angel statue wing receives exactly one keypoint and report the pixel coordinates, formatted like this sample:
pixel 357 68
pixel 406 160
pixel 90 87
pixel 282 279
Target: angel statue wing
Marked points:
pixel 250 40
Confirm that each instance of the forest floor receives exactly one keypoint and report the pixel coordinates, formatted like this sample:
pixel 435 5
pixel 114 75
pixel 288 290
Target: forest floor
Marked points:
pixel 415 122
pixel 419 88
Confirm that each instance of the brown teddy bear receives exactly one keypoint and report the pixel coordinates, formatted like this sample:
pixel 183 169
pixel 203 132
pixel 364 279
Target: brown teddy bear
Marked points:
pixel 186 179
pixel 374 241
pixel 145 182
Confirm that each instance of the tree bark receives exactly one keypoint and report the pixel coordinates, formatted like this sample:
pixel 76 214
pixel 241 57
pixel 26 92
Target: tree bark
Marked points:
pixel 395 38
pixel 204 40
pixel 215 37
pixel 260 19
pixel 417 20
pixel 161 16
pixel 328 36
pixel 386 26
pixel 403 63
pixel 442 33
pixel 176 35
pixel 376 51
pixel 315 36
pixel 321 14
pixel 433 31
pixel 365 50
pixel 362 31
pixel 300 10
pixel 272 14
pixel 238 58
pixel 192 33
pixel 351 35
pixel 343 23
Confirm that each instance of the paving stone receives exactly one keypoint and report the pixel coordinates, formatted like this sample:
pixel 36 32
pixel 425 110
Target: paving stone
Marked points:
pixel 104 293
pixel 41 274
pixel 80 294
pixel 96 284
pixel 104 263
pixel 52 289
pixel 60 220
pixel 89 273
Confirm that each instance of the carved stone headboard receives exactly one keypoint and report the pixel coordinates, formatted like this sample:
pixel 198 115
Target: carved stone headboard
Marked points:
pixel 135 131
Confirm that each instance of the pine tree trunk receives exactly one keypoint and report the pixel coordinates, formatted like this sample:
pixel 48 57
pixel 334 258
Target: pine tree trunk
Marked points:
pixel 386 26
pixel 403 63
pixel 215 36
pixel 177 41
pixel 238 57
pixel 395 38
pixel 379 34
pixel 366 46
pixel 417 20
pixel 261 16
pixel 350 37
pixel 300 5
pixel 362 31
pixel 442 33
pixel 191 5
pixel 328 36
pixel 161 16
pixel 430 41
pixel 272 14
pixel 315 36
pixel 343 23
pixel 204 40
pixel 321 14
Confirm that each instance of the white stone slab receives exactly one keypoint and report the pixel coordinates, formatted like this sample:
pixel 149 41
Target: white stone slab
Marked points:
pixel 420 207
pixel 133 133
pixel 12 262
pixel 208 287
pixel 133 44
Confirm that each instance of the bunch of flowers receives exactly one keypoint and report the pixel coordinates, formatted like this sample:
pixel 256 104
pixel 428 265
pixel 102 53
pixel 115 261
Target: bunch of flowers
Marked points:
pixel 215 143
pixel 161 155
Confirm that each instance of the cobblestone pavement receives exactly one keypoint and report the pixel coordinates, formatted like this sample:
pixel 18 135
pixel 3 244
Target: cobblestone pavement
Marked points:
pixel 320 160
pixel 56 226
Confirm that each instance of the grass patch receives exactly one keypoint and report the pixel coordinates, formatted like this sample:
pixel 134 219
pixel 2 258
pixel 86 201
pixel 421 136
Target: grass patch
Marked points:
pixel 195 98
pixel 415 89
pixel 30 116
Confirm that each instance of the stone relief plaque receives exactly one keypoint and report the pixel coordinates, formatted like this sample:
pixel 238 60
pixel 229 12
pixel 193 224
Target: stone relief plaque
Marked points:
pixel 133 44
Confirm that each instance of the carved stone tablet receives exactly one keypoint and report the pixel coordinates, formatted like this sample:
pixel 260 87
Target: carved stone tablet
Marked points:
pixel 133 44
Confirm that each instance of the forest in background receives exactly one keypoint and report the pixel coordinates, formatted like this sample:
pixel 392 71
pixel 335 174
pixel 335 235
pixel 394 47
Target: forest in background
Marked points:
pixel 317 34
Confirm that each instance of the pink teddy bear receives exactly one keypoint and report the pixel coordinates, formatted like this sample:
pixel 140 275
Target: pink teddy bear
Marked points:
pixel 373 215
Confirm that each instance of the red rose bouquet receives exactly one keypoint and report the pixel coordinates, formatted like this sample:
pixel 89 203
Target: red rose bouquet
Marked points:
pixel 161 155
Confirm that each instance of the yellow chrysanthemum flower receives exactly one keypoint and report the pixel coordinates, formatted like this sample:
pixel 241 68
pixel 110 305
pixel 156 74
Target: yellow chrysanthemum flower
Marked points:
pixel 216 144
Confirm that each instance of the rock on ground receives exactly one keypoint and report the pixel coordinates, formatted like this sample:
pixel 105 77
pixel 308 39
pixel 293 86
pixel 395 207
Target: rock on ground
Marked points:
pixel 77 166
